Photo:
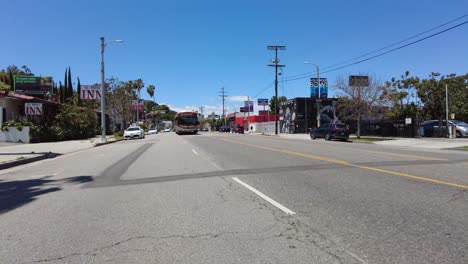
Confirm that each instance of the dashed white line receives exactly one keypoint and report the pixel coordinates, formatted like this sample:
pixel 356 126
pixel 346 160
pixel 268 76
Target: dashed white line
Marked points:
pixel 356 257
pixel 194 152
pixel 266 198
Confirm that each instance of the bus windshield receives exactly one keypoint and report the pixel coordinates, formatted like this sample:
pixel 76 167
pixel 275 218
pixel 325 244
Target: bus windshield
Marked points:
pixel 188 120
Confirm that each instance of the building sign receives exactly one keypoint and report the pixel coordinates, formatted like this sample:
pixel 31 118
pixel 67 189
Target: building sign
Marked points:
pixel 140 105
pixel 358 80
pixel 263 112
pixel 242 109
pixel 90 92
pixel 262 102
pixel 318 89
pixel 33 85
pixel 248 106
pixel 33 108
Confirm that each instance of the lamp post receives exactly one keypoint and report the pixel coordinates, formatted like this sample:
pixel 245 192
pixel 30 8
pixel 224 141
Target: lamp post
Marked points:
pixel 318 99
pixel 103 91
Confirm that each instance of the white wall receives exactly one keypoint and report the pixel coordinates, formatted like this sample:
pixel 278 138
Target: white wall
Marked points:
pixel 12 107
pixel 14 135
pixel 264 127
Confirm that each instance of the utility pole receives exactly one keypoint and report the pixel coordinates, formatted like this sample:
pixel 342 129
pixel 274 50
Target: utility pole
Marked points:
pixel 223 95
pixel 276 65
pixel 248 112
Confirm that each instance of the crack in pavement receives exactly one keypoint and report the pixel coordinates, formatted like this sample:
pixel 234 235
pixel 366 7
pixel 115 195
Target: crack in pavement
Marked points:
pixel 97 251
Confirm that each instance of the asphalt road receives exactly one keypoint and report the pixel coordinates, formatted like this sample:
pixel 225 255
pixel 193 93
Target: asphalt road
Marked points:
pixel 226 198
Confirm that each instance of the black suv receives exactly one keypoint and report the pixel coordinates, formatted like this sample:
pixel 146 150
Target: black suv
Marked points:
pixel 331 131
pixel 225 129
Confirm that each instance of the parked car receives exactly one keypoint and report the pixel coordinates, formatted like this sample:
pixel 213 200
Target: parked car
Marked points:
pixel 134 132
pixel 167 130
pixel 152 131
pixel 225 129
pixel 430 128
pixel 331 131
pixel 238 129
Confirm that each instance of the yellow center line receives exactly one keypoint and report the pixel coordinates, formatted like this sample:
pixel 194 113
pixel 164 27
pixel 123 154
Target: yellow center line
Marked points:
pixel 342 162
pixel 378 152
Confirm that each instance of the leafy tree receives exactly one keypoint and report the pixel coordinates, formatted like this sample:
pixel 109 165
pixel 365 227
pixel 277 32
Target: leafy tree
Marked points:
pixel 149 105
pixel 6 75
pixel 431 93
pixel 119 96
pixel 358 101
pixel 281 99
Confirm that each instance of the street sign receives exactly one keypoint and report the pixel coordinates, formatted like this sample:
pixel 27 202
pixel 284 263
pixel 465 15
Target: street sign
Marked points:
pixel 33 108
pixel 90 92
pixel 248 106
pixel 315 86
pixel 358 80
pixel 262 102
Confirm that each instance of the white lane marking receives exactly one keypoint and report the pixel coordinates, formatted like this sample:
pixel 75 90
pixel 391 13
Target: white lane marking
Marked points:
pixel 216 166
pixel 356 257
pixel 194 152
pixel 266 198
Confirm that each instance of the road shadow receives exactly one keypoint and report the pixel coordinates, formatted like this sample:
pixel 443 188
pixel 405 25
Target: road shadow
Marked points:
pixel 14 194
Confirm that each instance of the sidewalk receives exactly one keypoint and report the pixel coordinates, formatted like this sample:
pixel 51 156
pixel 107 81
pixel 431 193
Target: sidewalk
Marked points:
pixel 14 154
pixel 428 143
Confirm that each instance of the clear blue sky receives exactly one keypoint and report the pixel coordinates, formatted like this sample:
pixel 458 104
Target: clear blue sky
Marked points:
pixel 190 49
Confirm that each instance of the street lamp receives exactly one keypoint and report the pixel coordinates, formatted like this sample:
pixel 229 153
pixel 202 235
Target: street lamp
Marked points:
pixel 318 99
pixel 103 94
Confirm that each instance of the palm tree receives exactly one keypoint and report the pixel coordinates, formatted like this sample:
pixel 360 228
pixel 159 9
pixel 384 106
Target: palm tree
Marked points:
pixel 150 90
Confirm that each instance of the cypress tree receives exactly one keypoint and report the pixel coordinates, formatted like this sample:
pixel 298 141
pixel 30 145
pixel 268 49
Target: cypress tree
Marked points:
pixel 78 89
pixel 65 86
pixel 70 84
pixel 60 92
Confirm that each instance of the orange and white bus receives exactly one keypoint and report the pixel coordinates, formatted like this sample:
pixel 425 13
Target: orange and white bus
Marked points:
pixel 186 122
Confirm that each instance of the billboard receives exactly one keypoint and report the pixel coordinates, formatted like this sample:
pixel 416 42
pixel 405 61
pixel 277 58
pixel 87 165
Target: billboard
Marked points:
pixel 316 86
pixel 262 102
pixel 358 80
pixel 90 92
pixel 32 85
pixel 248 106
pixel 140 105
pixel 33 108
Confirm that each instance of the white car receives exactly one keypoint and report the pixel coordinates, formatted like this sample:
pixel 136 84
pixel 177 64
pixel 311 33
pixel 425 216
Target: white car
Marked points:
pixel 134 132
pixel 152 131
pixel 167 130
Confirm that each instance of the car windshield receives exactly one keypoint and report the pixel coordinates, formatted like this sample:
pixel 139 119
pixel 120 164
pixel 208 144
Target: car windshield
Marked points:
pixel 459 123
pixel 133 129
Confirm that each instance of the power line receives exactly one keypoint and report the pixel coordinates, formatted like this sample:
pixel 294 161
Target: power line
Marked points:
pixel 393 44
pixel 306 75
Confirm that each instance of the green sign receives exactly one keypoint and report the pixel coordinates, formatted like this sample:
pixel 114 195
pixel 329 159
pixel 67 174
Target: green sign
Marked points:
pixel 33 85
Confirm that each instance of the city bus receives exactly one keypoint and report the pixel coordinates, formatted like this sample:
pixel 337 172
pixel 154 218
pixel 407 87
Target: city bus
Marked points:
pixel 186 122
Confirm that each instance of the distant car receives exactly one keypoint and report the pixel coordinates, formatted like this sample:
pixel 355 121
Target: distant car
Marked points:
pixel 225 129
pixel 331 131
pixel 152 131
pixel 167 130
pixel 134 132
pixel 238 129
pixel 430 128
pixel 205 129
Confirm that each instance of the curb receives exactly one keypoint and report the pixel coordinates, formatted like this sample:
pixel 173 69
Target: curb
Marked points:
pixel 106 143
pixel 15 163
